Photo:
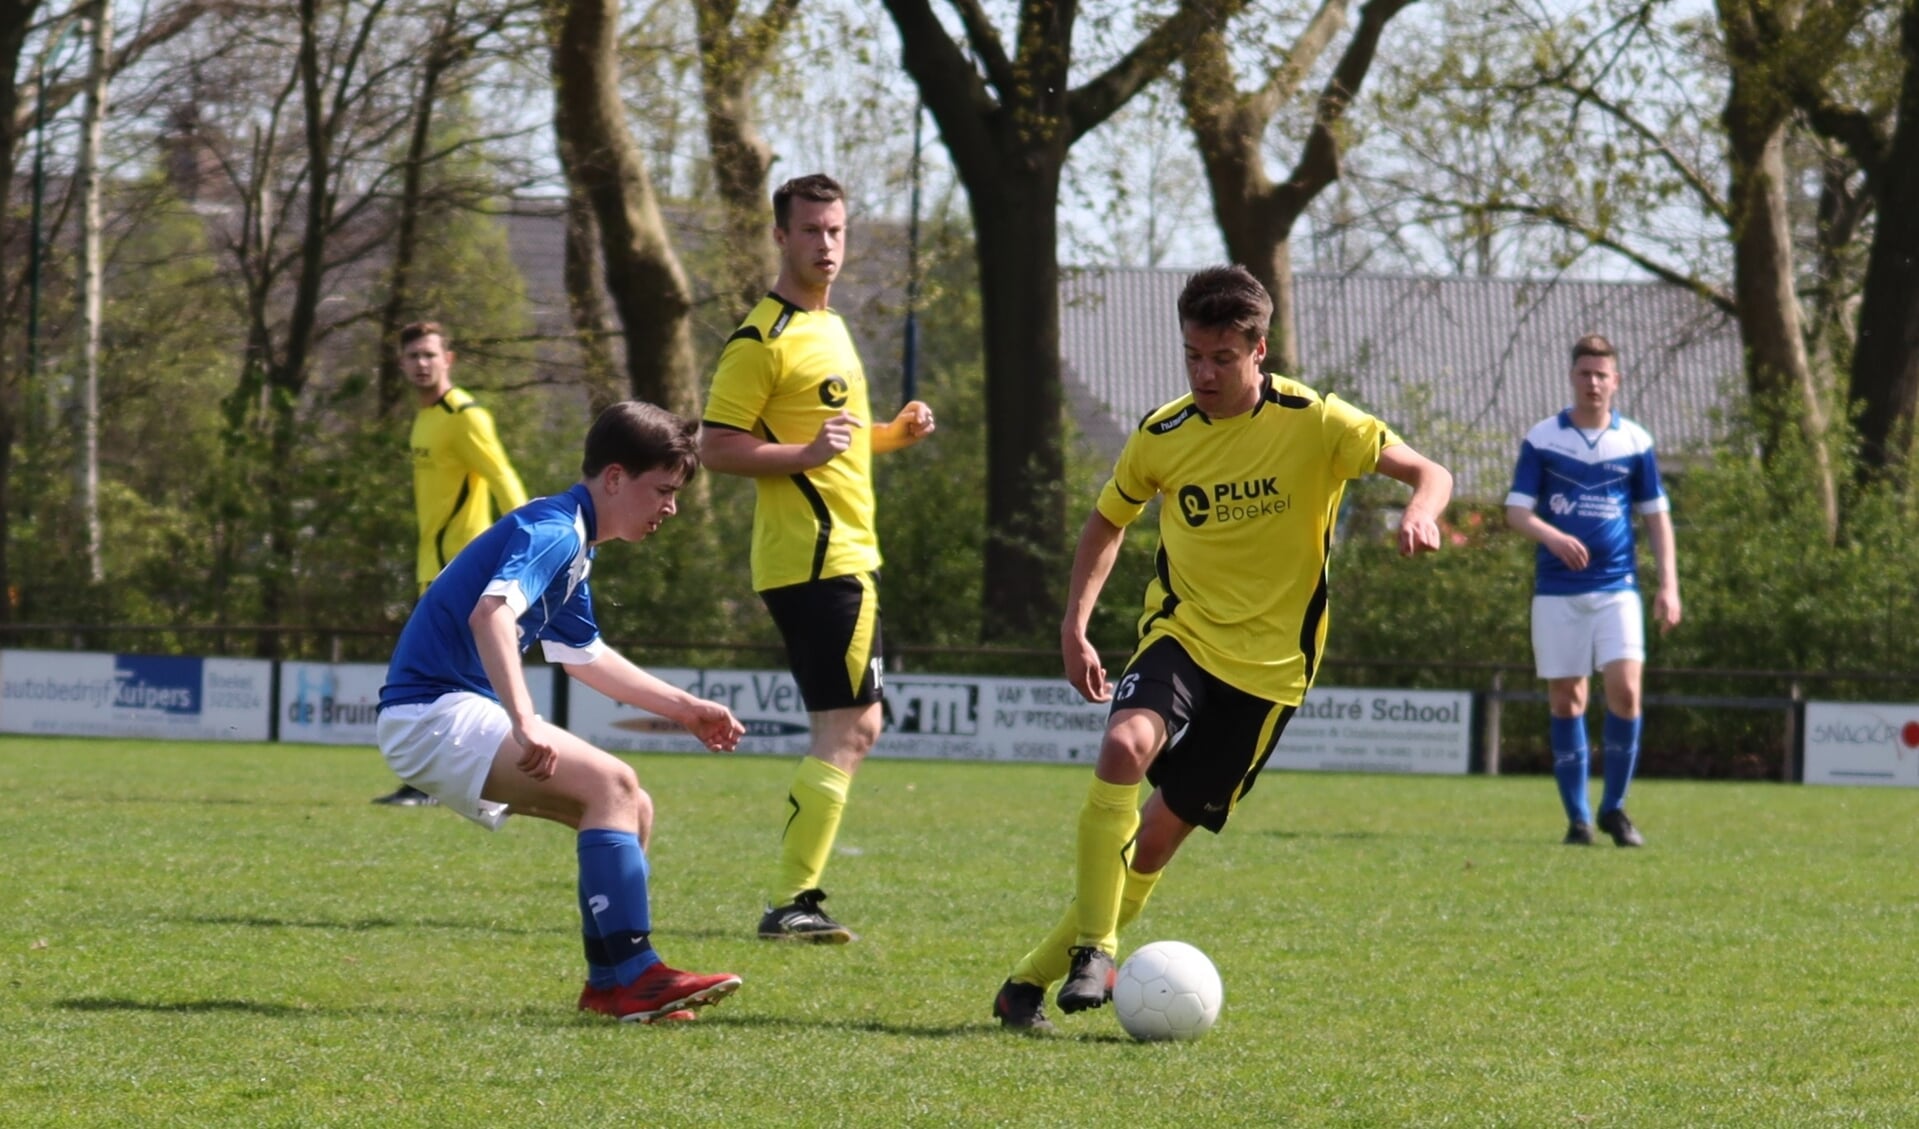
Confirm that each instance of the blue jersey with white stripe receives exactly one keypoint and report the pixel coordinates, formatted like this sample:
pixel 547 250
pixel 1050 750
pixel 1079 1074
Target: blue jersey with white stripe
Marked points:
pixel 537 559
pixel 1588 484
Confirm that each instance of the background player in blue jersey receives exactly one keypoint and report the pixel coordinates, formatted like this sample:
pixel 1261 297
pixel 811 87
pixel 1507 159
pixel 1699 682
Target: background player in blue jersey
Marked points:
pixel 1581 475
pixel 457 721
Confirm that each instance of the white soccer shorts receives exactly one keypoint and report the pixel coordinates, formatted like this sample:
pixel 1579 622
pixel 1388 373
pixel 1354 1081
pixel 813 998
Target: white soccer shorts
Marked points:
pixel 1573 636
pixel 446 747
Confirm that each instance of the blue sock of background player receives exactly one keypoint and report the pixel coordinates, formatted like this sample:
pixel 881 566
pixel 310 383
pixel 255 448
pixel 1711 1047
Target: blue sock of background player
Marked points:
pixel 1571 762
pixel 1620 745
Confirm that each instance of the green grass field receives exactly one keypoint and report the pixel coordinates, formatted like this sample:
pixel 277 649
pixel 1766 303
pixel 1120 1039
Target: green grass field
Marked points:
pixel 232 935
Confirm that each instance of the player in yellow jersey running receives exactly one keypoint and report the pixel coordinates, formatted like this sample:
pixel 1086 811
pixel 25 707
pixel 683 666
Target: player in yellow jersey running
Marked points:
pixel 459 470
pixel 789 408
pixel 1250 468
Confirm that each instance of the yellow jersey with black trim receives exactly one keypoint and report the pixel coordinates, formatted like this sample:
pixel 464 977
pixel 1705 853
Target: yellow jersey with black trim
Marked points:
pixel 1245 527
pixel 459 472
pixel 782 375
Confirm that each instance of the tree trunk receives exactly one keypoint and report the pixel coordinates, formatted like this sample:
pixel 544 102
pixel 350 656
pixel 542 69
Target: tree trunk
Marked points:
pixel 1026 468
pixel 584 302
pixel 650 291
pixel 86 389
pixel 399 307
pixel 1885 365
pixel 1779 375
pixel 1255 215
pixel 740 157
pixel 15 18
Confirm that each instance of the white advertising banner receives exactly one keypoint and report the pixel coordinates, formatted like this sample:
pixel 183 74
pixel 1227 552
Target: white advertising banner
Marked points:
pixel 165 696
pixel 338 703
pixel 1873 743
pixel 1342 730
pixel 964 717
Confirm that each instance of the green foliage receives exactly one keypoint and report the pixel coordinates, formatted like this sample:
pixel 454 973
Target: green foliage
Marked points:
pixel 230 935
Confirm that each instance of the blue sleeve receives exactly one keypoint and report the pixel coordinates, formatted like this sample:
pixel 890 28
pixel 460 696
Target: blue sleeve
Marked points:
pixel 1646 486
pixel 573 625
pixel 535 554
pixel 1529 477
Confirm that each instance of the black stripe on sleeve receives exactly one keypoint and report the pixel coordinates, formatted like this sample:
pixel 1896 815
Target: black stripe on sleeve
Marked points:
pixel 1128 497
pixel 718 426
pixel 744 333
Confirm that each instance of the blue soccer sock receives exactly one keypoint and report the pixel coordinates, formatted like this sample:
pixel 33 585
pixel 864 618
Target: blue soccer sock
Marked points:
pixel 613 903
pixel 1621 752
pixel 599 966
pixel 1570 766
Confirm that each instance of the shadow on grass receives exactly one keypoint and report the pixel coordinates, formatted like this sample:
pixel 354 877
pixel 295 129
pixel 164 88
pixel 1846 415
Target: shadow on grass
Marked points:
pixel 363 925
pixel 187 1007
pixel 910 1030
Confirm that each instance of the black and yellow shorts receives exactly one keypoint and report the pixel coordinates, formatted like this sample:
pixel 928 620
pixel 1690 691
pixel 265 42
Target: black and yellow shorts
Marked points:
pixel 832 633
pixel 1221 735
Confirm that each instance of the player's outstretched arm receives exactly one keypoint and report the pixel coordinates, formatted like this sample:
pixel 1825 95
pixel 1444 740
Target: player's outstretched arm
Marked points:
pixel 914 423
pixel 741 452
pixel 1092 564
pixel 1432 488
pixel 616 677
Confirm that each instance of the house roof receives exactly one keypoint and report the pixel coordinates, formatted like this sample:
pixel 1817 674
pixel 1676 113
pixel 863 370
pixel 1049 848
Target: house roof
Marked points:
pixel 1459 366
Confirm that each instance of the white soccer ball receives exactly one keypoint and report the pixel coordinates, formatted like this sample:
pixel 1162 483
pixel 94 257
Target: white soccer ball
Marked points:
pixel 1167 990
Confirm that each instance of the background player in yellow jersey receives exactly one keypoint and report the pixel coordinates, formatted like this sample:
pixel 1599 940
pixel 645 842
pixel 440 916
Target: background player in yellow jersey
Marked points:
pixel 789 408
pixel 1251 468
pixel 459 470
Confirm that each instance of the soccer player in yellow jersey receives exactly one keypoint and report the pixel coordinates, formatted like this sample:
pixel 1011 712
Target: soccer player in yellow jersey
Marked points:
pixel 1250 469
pixel 789 409
pixel 459 470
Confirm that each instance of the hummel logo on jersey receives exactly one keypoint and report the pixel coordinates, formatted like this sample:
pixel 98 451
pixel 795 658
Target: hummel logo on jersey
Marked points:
pixel 1168 424
pixel 833 391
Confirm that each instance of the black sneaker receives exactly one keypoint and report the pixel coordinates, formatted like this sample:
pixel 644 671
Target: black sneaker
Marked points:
pixel 1022 1007
pixel 1090 982
pixel 406 796
pixel 1619 826
pixel 802 919
pixel 1578 835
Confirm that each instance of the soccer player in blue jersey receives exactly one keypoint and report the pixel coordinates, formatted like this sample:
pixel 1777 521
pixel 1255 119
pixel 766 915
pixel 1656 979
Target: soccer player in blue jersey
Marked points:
pixel 457 721
pixel 1581 474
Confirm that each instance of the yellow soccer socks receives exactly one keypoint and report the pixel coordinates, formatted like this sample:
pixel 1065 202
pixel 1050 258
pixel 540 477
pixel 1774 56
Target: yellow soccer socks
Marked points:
pixel 1107 825
pixel 1051 960
pixel 815 801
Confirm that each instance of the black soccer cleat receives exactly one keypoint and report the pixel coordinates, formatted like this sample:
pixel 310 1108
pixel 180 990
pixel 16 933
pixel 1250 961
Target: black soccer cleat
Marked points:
pixel 406 796
pixel 802 919
pixel 1578 835
pixel 1090 981
pixel 1616 824
pixel 1022 1007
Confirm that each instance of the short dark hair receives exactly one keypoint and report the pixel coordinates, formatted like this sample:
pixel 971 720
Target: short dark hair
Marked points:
pixel 416 330
pixel 637 437
pixel 817 187
pixel 1227 297
pixel 1593 345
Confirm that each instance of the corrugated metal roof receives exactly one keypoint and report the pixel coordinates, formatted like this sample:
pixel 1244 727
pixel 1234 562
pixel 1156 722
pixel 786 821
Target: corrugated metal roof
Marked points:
pixel 1460 366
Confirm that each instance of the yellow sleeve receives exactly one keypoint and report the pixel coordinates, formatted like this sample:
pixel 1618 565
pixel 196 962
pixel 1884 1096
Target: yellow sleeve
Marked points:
pixel 742 384
pixel 1354 439
pixel 479 447
pixel 1126 493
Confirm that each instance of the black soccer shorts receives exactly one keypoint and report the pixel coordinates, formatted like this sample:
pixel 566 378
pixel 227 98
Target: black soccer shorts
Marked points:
pixel 1221 736
pixel 832 633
